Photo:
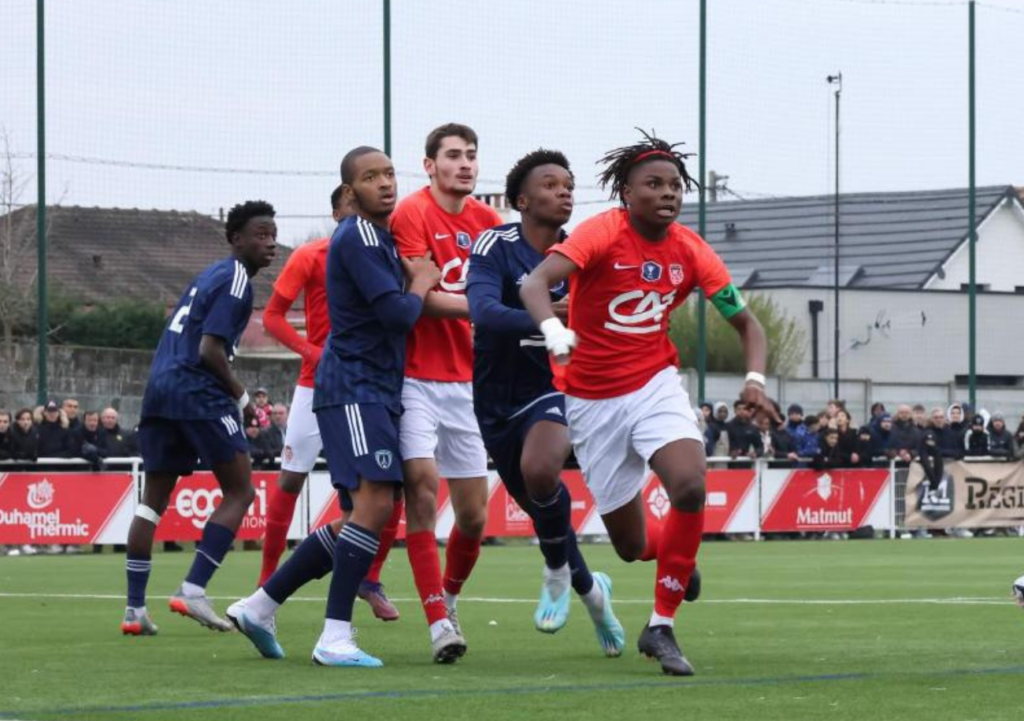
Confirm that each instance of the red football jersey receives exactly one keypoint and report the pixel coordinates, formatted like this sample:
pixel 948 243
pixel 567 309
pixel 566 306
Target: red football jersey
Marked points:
pixel 305 272
pixel 441 349
pixel 621 298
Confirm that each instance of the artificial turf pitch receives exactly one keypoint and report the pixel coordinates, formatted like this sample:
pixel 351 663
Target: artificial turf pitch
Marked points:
pixel 785 630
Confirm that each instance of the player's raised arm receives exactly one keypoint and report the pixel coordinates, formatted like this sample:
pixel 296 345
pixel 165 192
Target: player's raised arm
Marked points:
pixel 535 295
pixel 483 289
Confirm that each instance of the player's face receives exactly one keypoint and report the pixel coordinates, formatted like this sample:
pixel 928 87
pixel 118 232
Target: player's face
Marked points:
pixel 257 242
pixel 5 422
pixel 547 195
pixel 374 189
pixel 455 168
pixel 654 193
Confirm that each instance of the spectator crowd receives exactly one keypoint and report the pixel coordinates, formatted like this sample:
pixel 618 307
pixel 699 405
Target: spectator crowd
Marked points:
pixel 829 439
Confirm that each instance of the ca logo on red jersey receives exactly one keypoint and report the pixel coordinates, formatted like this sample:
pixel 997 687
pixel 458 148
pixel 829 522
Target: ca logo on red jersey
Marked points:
pixel 459 284
pixel 646 316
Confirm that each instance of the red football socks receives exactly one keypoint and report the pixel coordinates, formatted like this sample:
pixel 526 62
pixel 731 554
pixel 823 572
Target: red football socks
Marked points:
pixel 460 556
pixel 426 572
pixel 280 509
pixel 650 551
pixel 677 557
pixel 387 539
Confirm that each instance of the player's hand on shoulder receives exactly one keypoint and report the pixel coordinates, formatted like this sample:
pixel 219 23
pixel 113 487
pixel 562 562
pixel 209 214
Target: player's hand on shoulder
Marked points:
pixel 422 271
pixel 561 309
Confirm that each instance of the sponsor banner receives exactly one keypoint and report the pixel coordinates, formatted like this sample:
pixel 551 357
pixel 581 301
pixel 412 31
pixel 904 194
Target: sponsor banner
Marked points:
pixel 834 500
pixel 71 508
pixel 505 518
pixel 969 494
pixel 194 499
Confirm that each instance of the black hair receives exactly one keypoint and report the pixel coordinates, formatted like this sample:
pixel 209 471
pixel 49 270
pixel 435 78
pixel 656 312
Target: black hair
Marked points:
pixel 243 213
pixel 448 130
pixel 336 197
pixel 347 171
pixel 517 176
pixel 622 160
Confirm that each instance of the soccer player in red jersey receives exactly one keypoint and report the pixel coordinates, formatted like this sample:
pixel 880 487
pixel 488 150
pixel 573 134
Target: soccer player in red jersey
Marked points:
pixel 439 431
pixel 628 268
pixel 304 273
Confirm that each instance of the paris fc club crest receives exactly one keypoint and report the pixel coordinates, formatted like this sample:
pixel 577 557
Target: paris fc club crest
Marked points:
pixel 650 271
pixel 675 273
pixel 383 459
pixel 463 240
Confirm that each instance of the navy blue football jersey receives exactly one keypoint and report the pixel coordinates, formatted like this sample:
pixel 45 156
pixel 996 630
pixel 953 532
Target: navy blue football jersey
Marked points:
pixel 510 363
pixel 363 362
pixel 218 303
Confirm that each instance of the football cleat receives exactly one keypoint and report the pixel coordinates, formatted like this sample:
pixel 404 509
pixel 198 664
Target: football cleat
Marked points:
pixel 551 615
pixel 199 609
pixel 449 647
pixel 610 633
pixel 380 604
pixel 1018 591
pixel 453 617
pixel 264 638
pixel 692 592
pixel 137 624
pixel 344 655
pixel 659 642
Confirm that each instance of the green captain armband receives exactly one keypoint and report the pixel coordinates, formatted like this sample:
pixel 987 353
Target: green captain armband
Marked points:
pixel 728 301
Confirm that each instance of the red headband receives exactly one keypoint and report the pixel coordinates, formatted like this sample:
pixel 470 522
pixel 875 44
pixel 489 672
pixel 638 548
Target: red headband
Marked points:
pixel 649 153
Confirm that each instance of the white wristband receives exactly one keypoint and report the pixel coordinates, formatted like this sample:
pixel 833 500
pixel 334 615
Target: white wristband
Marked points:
pixel 243 401
pixel 755 377
pixel 552 327
pixel 558 339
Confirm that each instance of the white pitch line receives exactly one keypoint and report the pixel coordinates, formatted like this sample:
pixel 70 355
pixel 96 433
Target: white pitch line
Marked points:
pixel 954 601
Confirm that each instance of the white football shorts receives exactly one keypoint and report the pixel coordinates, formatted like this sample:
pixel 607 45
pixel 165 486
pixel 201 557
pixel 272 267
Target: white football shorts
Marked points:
pixel 438 422
pixel 614 438
pixel 302 443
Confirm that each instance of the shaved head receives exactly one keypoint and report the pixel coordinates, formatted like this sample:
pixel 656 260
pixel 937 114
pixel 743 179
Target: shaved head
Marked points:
pixel 348 162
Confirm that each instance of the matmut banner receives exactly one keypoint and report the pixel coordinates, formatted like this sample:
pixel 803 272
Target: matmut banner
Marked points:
pixel 731 505
pixel 196 497
pixel 835 500
pixel 72 508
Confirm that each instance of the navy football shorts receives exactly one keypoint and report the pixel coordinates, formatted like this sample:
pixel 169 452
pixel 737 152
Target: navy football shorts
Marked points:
pixel 360 441
pixel 170 445
pixel 504 438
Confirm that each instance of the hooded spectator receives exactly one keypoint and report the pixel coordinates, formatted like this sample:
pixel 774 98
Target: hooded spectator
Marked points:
pixel 1000 440
pixel 864 452
pixel 6 435
pixel 877 411
pixel 881 438
pixel 115 442
pixel 743 436
pixel 53 433
pixel 716 436
pixel 976 441
pixel 905 438
pixel 809 443
pixel 795 426
pixel 24 439
pixel 70 409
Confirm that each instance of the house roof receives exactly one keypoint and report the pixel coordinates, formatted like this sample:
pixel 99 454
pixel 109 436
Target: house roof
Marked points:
pixel 98 254
pixel 887 240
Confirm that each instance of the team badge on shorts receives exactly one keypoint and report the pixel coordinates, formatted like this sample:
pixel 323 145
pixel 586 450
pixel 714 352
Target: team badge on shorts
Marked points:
pixel 383 459
pixel 463 240
pixel 650 271
pixel 675 273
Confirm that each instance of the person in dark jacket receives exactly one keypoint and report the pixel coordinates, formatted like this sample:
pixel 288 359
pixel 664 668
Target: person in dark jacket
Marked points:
pixel 877 411
pixel 1018 438
pixel 70 409
pixel 847 437
pixel 6 434
pixel 115 442
pixel 85 438
pixel 929 455
pixel 24 440
pixel 809 443
pixel 865 453
pixel 1000 440
pixel 53 433
pixel 905 438
pixel 976 441
pixel 957 424
pixel 950 445
pixel 881 438
pixel 829 454
pixel 743 436
pixel 773 443
pixel 795 426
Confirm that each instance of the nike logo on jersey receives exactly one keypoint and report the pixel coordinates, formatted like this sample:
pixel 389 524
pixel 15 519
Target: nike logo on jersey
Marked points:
pixel 554 410
pixel 620 266
pixel 442 236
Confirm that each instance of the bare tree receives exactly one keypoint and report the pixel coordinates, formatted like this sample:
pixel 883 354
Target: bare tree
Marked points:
pixel 17 238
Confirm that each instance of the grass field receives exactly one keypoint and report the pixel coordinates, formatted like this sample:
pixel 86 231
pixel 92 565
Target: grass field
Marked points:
pixel 785 630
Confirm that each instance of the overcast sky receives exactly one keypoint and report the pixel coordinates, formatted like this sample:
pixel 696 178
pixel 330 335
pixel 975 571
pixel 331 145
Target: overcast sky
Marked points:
pixel 291 86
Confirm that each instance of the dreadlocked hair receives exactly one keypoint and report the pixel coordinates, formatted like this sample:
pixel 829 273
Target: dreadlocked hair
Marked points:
pixel 621 161
pixel 517 176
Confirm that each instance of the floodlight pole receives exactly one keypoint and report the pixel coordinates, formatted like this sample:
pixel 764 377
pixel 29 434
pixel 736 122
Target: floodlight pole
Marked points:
pixel 972 281
pixel 42 321
pixel 702 306
pixel 836 80
pixel 387 78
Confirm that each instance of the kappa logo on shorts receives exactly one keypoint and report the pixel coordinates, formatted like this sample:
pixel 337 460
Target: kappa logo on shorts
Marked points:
pixel 383 459
pixel 463 240
pixel 650 271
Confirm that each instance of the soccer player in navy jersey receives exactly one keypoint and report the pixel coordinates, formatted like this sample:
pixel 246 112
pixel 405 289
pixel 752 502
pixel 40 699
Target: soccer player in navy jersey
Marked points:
pixel 192 409
pixel 521 415
pixel 373 299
